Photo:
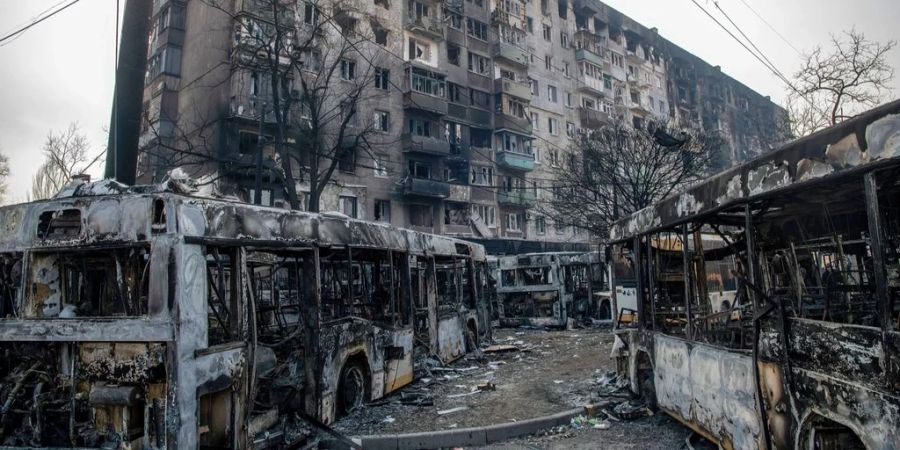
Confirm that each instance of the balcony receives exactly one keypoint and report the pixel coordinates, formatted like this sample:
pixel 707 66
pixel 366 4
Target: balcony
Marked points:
pixel 426 188
pixel 426 26
pixel 593 119
pixel 517 197
pixel 250 107
pixel 515 161
pixel 423 144
pixel 424 102
pixel 640 107
pixel 583 54
pixel 510 53
pixel 513 124
pixel 591 84
pixel 514 88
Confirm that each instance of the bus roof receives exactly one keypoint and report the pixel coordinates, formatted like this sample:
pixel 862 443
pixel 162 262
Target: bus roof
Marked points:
pixel 865 142
pixel 108 213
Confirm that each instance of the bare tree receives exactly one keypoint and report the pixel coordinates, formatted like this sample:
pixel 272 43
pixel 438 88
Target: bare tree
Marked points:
pixel 66 154
pixel 837 83
pixel 617 170
pixel 307 69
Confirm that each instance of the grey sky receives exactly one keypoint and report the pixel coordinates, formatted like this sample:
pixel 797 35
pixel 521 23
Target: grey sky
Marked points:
pixel 62 70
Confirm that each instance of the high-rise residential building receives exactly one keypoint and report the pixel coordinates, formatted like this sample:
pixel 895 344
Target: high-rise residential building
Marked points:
pixel 472 102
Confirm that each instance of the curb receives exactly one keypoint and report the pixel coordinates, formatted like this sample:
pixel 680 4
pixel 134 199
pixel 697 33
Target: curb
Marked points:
pixel 469 437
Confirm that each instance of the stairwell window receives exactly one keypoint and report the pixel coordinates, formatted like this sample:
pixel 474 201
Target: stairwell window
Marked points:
pixel 381 165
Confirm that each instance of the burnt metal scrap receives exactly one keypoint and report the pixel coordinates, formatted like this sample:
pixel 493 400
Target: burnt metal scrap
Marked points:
pixel 767 298
pixel 141 318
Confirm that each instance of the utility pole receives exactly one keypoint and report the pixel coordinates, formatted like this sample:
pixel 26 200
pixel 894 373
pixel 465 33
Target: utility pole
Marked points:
pixel 125 121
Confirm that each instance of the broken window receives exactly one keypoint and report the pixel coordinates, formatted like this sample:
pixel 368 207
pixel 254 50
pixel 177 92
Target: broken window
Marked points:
pixel 222 298
pixel 420 216
pixel 89 283
pixel 456 213
pixel 363 283
pixel 10 283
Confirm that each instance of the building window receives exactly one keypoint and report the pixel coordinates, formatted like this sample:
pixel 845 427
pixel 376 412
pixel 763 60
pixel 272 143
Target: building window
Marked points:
pixel 427 82
pixel 419 127
pixel 569 99
pixel 547 32
pixel 534 87
pixel 570 129
pixel 454 20
pixel 455 92
pixel 266 198
pixel 535 121
pixel 381 165
pixel 311 60
pixel 310 14
pixel 419 50
pixel 476 29
pixel 480 99
pixel 347 161
pixel 456 213
pixel 416 10
pixel 552 126
pixel 617 59
pixel 383 3
pixel 453 52
pixel 482 176
pixel 420 170
pixel 529 24
pixel 382 78
pixel 551 93
pixel 348 206
pixel 564 39
pixel 540 224
pixel 348 69
pixel 512 222
pixel 548 62
pixel 420 216
pixel 479 64
pixel 382 211
pixel 487 214
pixel 382 121
pixel 381 35
pixel 566 68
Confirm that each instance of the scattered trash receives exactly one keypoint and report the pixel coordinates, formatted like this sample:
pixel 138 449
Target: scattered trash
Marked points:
pixel 589 422
pixel 464 394
pixel 487 386
pixel 414 398
pixel 389 419
pixel 452 410
pixel 557 381
pixel 501 348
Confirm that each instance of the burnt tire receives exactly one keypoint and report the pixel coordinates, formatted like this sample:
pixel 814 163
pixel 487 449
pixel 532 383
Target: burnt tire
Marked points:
pixel 351 389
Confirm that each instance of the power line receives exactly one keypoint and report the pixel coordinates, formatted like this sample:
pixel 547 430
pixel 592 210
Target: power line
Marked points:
pixel 4 39
pixel 771 27
pixel 750 41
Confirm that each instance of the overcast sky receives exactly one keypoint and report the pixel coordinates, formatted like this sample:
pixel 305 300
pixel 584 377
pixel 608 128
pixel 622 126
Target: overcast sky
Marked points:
pixel 61 70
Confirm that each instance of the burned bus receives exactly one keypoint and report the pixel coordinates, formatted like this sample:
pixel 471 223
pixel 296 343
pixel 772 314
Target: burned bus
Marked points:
pixel 549 289
pixel 142 318
pixel 807 355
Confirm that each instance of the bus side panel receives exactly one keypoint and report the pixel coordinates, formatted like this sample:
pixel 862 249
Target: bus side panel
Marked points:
pixel 399 371
pixel 709 388
pixel 451 337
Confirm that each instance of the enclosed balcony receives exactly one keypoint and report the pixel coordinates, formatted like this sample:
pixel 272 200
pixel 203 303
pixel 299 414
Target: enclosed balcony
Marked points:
pixel 424 144
pixel 424 25
pixel 591 118
pixel 591 84
pixel 426 188
pixel 514 88
pixel 514 124
pixel 511 54
pixel 517 197
pixel 583 54
pixel 515 161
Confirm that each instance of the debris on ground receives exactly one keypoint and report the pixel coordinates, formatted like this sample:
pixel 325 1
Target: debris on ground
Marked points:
pixel 452 410
pixel 501 348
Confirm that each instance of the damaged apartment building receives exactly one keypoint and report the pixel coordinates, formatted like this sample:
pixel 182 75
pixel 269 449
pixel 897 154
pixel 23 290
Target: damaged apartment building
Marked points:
pixel 472 102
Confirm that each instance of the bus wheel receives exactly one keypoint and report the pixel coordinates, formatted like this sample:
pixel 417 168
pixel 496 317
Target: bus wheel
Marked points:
pixel 352 388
